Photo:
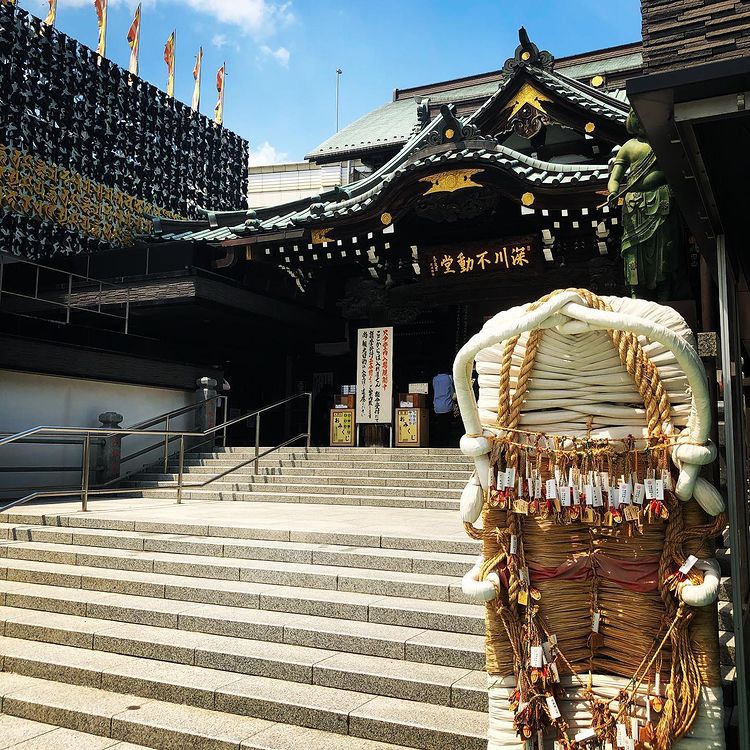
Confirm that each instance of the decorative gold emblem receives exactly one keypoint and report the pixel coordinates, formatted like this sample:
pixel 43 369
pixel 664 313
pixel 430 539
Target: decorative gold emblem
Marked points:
pixel 449 133
pixel 449 182
pixel 527 199
pixel 526 56
pixel 589 127
pixel 597 81
pixel 386 218
pixel 319 236
pixel 527 94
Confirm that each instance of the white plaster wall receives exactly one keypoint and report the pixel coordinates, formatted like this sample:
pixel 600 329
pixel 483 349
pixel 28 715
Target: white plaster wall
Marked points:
pixel 28 400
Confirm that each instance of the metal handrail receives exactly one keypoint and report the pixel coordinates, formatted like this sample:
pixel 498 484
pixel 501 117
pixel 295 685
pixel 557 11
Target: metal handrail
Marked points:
pixel 175 412
pixel 87 432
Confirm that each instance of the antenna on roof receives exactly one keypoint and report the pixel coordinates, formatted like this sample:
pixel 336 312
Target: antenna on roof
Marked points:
pixel 338 76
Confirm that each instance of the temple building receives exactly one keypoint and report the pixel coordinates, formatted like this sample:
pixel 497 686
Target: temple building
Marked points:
pixel 478 192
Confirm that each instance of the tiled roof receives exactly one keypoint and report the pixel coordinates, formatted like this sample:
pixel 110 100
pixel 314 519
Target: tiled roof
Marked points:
pixel 360 195
pixel 393 122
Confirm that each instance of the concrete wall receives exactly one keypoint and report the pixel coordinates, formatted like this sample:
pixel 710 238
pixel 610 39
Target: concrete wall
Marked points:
pixel 28 400
pixel 677 33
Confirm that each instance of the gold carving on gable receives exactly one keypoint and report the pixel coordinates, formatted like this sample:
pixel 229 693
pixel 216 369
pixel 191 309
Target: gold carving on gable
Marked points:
pixel 32 187
pixel 527 111
pixel 449 182
pixel 319 236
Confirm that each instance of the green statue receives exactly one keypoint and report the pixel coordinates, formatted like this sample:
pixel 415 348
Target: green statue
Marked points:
pixel 651 231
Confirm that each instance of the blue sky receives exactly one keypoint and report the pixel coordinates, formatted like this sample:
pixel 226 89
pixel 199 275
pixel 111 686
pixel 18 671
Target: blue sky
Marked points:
pixel 282 55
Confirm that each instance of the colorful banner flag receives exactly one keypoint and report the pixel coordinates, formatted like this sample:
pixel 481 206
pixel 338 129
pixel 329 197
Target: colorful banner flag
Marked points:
pixel 134 40
pixel 219 109
pixel 101 14
pixel 169 52
pixel 197 77
pixel 50 20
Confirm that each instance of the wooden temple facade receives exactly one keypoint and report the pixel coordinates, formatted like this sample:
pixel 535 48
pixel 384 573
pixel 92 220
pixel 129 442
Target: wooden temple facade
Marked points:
pixel 475 212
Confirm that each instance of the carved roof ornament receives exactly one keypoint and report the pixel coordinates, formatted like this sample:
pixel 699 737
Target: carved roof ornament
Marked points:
pixel 453 130
pixel 527 55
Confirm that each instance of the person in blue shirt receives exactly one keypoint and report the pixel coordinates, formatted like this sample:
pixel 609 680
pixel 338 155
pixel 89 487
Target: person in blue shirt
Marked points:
pixel 443 398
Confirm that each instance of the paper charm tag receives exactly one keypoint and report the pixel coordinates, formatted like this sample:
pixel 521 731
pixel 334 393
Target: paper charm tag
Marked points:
pixel 537 488
pixel 650 483
pixel 595 621
pixel 513 544
pixel 552 707
pixel 520 487
pixel 625 493
pixel 659 489
pixel 551 489
pixel 588 491
pixel 604 479
pixel 530 484
pixel 537 657
pixel 501 480
pixel 622 735
pixel 547 649
pixel 555 673
pixel 688 564
pixel 634 730
pixel 598 498
pixel 565 495
pixel 666 477
pixel 510 475
pixel 639 493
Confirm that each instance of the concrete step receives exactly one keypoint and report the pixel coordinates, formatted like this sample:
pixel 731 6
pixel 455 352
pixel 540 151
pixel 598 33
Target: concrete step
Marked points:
pixel 345 451
pixel 438 472
pixel 233 723
pixel 362 580
pixel 392 463
pixel 438 563
pixel 380 659
pixel 726 621
pixel 279 496
pixel 725 589
pixel 24 734
pixel 241 478
pixel 316 486
pixel 308 631
pixel 388 610
pixel 726 649
pixel 282 532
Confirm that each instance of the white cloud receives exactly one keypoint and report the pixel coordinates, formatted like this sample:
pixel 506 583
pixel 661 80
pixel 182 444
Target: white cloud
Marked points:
pixel 219 40
pixel 280 55
pixel 258 18
pixel 266 154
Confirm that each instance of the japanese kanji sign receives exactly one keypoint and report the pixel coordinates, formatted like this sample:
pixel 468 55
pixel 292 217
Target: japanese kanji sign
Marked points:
pixel 374 375
pixel 514 254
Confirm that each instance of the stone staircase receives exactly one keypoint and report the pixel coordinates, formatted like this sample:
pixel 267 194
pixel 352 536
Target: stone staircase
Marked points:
pixel 294 622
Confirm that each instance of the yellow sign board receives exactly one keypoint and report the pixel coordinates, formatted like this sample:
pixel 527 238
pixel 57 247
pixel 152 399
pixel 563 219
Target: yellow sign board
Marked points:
pixel 342 427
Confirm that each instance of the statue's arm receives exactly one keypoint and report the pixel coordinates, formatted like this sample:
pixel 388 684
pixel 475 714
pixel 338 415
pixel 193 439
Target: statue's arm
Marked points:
pixel 615 177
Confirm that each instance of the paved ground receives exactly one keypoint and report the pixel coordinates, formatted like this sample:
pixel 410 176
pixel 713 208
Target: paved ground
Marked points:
pixel 427 524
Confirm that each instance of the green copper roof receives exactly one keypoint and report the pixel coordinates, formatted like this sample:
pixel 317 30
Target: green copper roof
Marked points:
pixel 392 123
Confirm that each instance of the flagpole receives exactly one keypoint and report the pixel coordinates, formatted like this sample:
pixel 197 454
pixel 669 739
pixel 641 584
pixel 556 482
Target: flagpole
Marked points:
pixel 138 40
